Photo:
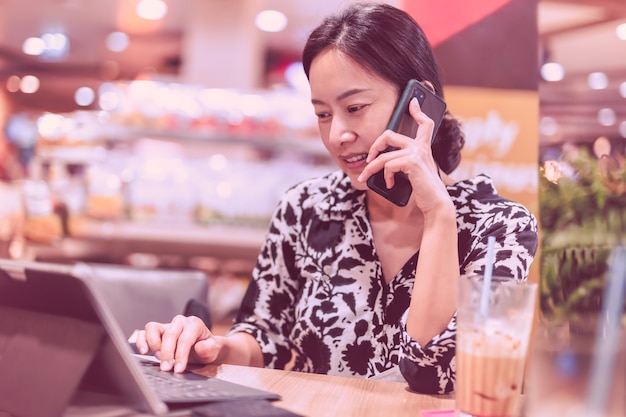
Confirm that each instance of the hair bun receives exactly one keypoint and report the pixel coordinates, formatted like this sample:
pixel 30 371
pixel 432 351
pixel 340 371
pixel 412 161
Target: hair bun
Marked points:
pixel 448 143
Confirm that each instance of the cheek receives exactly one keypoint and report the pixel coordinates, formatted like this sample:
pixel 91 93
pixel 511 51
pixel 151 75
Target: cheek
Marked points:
pixel 324 131
pixel 380 121
pixel 374 123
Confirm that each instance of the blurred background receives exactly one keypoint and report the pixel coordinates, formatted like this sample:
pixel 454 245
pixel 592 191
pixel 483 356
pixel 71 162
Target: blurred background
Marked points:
pixel 218 44
pixel 161 133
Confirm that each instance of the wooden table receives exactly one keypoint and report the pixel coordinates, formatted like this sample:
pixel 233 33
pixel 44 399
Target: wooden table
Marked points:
pixel 323 395
pixel 317 395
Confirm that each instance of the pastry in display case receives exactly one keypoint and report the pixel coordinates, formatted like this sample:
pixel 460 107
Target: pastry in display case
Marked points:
pixel 41 223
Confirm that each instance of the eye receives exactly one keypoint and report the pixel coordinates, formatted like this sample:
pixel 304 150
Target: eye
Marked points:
pixel 322 115
pixel 353 109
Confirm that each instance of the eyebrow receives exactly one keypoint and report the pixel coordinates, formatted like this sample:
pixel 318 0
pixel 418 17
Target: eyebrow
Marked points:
pixel 343 95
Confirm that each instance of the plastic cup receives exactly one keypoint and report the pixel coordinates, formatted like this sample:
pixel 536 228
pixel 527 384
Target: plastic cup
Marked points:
pixel 492 345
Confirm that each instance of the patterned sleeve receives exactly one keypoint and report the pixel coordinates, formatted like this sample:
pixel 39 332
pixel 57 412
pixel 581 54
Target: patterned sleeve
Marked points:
pixel 266 311
pixel 431 369
pixel 515 230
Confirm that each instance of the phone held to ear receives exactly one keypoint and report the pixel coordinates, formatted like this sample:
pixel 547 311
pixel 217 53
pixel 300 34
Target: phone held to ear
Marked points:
pixel 402 122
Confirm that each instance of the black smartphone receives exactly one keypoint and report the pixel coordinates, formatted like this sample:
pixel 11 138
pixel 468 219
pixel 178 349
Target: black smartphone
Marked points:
pixel 402 122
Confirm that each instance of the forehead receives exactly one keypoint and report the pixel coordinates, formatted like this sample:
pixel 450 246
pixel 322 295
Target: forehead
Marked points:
pixel 332 69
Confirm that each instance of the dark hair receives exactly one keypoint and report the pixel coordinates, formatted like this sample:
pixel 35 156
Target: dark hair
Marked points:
pixel 387 41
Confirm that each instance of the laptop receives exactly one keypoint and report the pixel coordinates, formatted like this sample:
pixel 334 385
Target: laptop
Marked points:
pixel 58 338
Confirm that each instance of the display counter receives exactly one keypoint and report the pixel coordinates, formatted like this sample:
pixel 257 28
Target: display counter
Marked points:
pixel 115 241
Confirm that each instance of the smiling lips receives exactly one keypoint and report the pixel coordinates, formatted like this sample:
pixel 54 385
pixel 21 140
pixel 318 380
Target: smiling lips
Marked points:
pixel 355 161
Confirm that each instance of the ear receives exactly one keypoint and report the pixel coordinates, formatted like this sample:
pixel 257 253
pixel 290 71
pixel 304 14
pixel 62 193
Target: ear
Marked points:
pixel 430 85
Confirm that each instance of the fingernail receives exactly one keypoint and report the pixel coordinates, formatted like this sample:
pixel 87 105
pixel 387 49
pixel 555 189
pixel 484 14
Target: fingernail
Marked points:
pixel 157 354
pixel 179 367
pixel 360 178
pixel 166 365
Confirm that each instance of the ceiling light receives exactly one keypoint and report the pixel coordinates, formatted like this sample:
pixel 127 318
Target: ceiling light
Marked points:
pixel 607 117
pixel 622 89
pixel 84 96
pixel 55 42
pixel 151 9
pixel 117 41
pixel 57 46
pixel 620 31
pixel 548 126
pixel 33 46
pixel 552 71
pixel 597 81
pixel 271 21
pixel 51 46
pixel 29 84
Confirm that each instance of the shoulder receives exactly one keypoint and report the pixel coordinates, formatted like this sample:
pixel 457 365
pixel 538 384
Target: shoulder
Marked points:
pixel 328 192
pixel 315 188
pixel 327 196
pixel 479 193
pixel 477 197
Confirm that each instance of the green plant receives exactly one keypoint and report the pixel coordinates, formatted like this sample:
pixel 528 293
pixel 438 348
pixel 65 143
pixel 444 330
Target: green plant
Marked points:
pixel 582 203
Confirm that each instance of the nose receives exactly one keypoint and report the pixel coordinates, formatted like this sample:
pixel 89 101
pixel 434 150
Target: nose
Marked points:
pixel 340 132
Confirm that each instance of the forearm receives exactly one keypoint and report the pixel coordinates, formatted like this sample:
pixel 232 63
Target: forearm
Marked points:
pixel 240 349
pixel 434 297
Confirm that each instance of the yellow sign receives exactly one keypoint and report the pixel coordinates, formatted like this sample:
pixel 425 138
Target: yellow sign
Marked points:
pixel 501 137
pixel 501 140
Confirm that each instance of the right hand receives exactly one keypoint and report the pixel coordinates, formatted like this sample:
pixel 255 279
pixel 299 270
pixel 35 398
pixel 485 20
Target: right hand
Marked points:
pixel 414 157
pixel 183 340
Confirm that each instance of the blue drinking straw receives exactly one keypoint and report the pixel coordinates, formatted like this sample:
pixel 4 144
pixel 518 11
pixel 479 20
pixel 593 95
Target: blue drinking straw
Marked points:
pixel 484 296
pixel 607 334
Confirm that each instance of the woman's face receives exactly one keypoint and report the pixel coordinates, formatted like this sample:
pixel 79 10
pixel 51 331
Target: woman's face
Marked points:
pixel 353 107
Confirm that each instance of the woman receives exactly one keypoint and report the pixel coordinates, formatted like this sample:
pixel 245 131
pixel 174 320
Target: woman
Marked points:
pixel 347 282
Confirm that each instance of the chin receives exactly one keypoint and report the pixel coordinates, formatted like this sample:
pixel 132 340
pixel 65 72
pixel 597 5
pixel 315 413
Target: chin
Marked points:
pixel 357 184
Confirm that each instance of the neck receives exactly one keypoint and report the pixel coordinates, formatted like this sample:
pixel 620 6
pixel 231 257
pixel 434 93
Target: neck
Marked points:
pixel 381 209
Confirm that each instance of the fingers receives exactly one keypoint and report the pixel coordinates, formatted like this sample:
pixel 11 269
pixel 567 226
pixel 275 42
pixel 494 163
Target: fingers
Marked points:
pixel 403 147
pixel 393 161
pixel 390 139
pixel 425 123
pixel 377 161
pixel 150 338
pixel 172 343
pixel 193 332
pixel 169 343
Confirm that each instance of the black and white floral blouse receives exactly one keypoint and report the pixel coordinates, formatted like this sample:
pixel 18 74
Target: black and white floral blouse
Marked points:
pixel 318 289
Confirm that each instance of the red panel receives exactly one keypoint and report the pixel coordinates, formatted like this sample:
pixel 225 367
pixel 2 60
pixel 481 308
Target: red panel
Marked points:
pixel 443 18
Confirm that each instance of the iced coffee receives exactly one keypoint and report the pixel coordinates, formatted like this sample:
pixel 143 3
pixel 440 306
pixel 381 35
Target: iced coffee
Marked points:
pixel 492 345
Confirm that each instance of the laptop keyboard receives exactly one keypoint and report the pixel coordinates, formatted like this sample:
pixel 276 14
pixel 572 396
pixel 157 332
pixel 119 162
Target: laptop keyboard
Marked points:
pixel 183 388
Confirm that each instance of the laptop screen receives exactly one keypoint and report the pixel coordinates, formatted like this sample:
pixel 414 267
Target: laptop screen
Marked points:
pixel 66 338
